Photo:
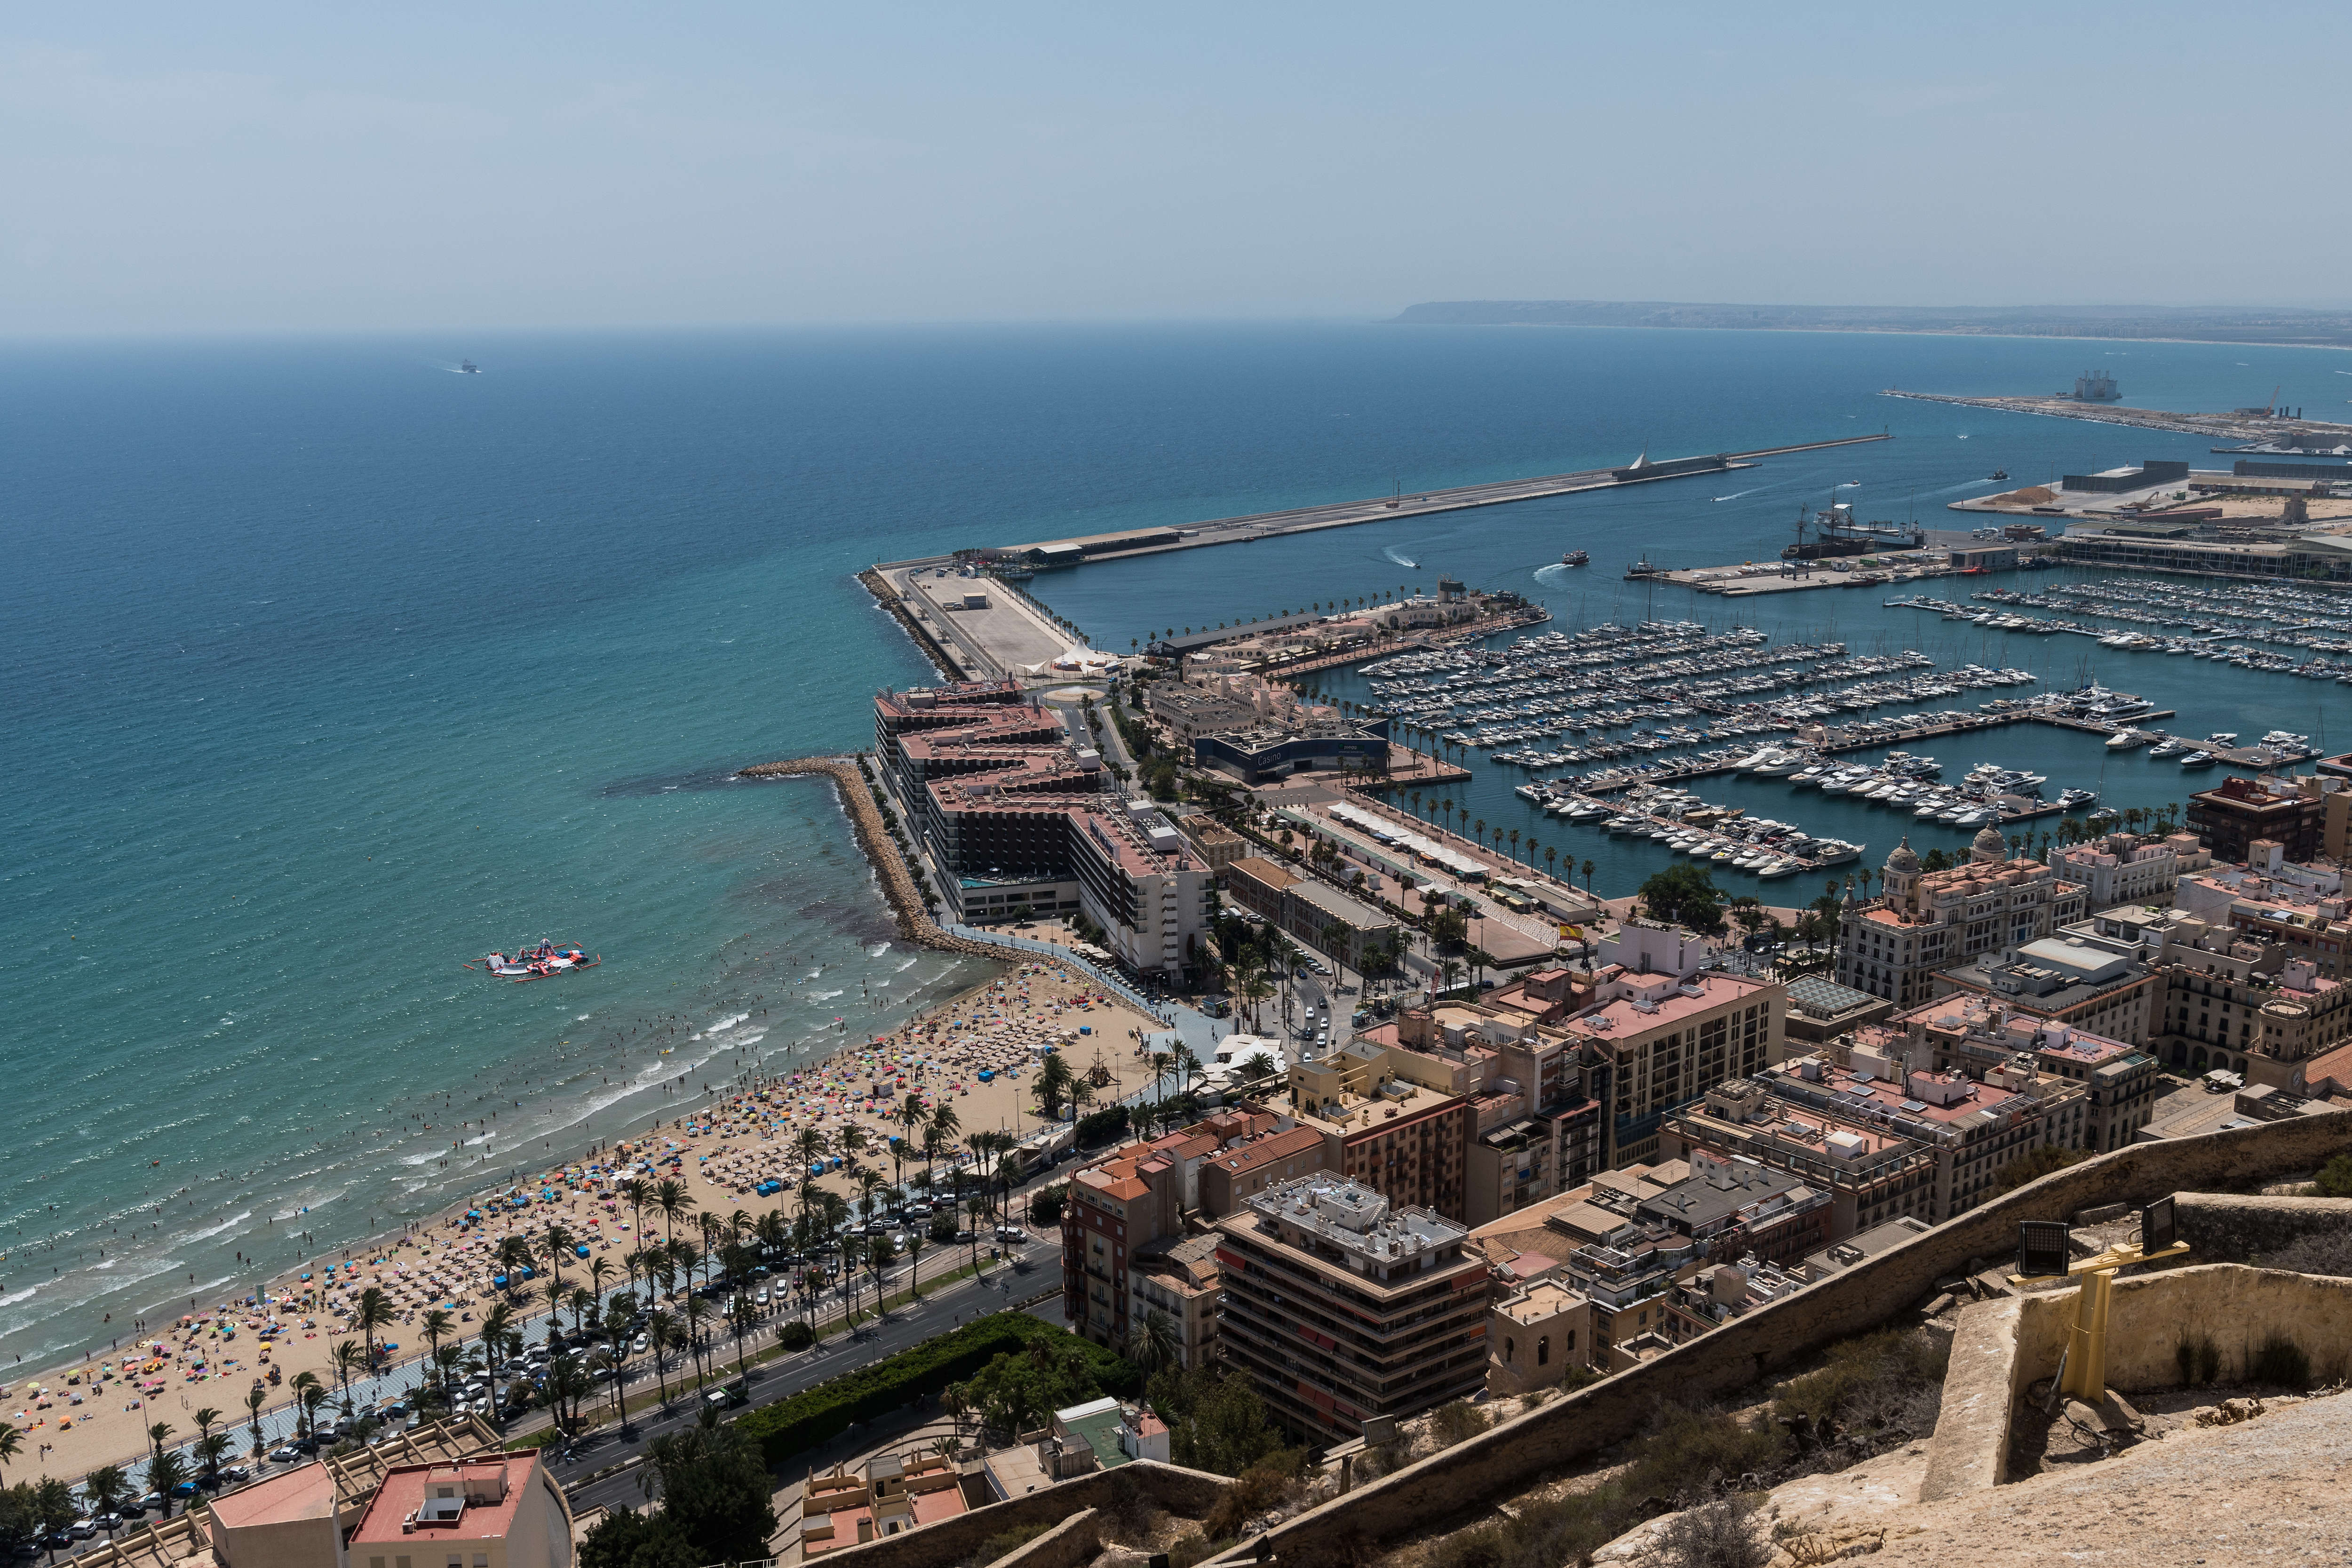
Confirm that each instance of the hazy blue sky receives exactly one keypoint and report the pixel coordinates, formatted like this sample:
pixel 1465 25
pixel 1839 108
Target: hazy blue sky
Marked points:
pixel 244 165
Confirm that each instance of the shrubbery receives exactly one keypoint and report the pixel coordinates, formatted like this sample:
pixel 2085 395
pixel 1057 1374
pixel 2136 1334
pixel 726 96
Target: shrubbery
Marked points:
pixel 809 1418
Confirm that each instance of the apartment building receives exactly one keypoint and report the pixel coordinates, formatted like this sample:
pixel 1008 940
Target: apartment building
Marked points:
pixel 1537 1335
pixel 490 1512
pixel 2069 978
pixel 1666 1031
pixel 2116 1084
pixel 2300 909
pixel 1927 920
pixel 1871 1170
pixel 2124 868
pixel 2290 813
pixel 1240 1172
pixel 888 1495
pixel 1341 1305
pixel 1398 1121
pixel 1117 1212
pixel 1311 912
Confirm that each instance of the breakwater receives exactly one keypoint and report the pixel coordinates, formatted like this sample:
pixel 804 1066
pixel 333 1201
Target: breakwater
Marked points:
pixel 873 834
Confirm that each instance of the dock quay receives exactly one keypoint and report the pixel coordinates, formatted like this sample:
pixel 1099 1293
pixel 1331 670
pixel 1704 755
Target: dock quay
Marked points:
pixel 1714 764
pixel 1254 526
pixel 2254 428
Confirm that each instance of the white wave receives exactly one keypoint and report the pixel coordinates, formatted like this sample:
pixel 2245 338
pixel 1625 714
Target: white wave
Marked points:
pixel 724 1023
pixel 877 950
pixel 909 964
pixel 226 1224
pixel 1851 485
pixel 13 1297
pixel 823 995
pixel 1737 494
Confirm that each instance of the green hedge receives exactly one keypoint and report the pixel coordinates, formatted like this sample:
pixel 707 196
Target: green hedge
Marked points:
pixel 809 1418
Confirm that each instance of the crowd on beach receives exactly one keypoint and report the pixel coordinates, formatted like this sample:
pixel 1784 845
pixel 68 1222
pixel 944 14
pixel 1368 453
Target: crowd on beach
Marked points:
pixel 960 1068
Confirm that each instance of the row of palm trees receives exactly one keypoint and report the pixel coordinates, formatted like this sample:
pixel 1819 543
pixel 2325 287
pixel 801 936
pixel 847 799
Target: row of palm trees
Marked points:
pixel 666 1262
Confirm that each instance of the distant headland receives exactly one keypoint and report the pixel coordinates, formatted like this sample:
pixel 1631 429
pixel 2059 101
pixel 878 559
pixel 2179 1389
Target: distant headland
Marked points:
pixel 2286 327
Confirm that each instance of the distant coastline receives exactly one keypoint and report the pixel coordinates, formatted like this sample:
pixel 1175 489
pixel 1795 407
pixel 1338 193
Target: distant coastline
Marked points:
pixel 2246 327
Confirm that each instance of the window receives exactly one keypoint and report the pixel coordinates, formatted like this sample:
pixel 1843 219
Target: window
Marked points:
pixel 1543 1350
pixel 1510 1352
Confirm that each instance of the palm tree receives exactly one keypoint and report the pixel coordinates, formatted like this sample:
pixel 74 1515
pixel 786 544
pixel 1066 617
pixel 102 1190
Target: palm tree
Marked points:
pixel 492 1335
pixel 345 1358
pixel 211 1449
pixel 313 1397
pixel 869 1184
pixel 671 1200
pixel 1160 1062
pixel 374 1312
pixel 600 1274
pixel 713 1229
pixel 852 1143
pixel 697 1308
pixel 915 1239
pixel 1154 1343
pixel 12 1441
pixel 1514 843
pixel 661 1338
pixel 446 1362
pixel 165 1471
pixel 435 1324
pixel 205 1418
pixel 1587 868
pixel 975 1208
pixel 560 1243
pixel 514 1259
pixel 636 1191
pixel 107 1487
pixel 879 1256
pixel 911 1115
pixel 255 1398
pixel 619 1319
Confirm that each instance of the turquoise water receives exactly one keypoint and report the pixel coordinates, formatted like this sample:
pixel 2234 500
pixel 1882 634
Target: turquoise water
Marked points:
pixel 328 669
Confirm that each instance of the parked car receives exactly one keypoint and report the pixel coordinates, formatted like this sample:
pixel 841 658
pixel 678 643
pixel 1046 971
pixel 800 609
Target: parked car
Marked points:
pixel 286 1454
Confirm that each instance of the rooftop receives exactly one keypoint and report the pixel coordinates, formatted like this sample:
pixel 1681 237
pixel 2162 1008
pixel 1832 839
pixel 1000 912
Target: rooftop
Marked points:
pixel 1634 1015
pixel 1354 1218
pixel 308 1492
pixel 471 1502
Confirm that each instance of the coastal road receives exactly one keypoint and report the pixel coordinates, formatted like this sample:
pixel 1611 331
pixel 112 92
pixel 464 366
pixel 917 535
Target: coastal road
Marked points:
pixel 904 1328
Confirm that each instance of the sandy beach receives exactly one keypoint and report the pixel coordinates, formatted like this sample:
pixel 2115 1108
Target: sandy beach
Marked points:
pixel 98 1411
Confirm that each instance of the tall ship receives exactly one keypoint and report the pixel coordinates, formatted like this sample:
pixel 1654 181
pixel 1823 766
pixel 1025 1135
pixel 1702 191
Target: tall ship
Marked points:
pixel 1838 532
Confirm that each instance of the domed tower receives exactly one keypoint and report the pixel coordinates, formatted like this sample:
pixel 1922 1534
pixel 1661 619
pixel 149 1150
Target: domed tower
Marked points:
pixel 1900 876
pixel 1989 848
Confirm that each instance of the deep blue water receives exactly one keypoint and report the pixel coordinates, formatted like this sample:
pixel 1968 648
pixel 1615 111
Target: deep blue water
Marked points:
pixel 326 669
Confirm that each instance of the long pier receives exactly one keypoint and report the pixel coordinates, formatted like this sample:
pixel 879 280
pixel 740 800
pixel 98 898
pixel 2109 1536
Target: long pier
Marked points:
pixel 1500 492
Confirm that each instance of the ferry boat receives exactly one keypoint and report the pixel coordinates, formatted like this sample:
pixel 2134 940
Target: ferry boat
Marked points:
pixel 535 962
pixel 1576 558
pixel 467 367
pixel 1998 474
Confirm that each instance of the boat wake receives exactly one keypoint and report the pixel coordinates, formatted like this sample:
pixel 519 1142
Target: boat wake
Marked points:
pixel 1551 573
pixel 1851 485
pixel 1400 559
pixel 1737 494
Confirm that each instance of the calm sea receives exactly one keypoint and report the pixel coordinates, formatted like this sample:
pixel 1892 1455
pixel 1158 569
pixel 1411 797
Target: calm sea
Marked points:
pixel 328 668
